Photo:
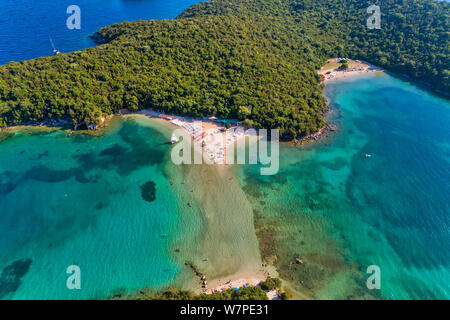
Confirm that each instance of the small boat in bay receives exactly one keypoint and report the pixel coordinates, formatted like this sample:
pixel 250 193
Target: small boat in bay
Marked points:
pixel 55 51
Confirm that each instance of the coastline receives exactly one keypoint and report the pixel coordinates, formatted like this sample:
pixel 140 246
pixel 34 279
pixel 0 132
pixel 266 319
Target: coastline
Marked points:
pixel 331 70
pixel 291 270
pixel 318 224
pixel 209 135
pixel 227 248
pixel 240 277
pixel 210 130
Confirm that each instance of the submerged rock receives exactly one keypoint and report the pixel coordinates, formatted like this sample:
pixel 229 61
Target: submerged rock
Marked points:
pixel 11 276
pixel 148 191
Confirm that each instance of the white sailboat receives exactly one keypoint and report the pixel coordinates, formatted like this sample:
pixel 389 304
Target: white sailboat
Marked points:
pixel 55 52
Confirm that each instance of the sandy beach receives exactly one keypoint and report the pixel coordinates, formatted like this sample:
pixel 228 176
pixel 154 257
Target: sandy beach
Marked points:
pixel 219 285
pixel 226 235
pixel 222 284
pixel 211 136
pixel 330 71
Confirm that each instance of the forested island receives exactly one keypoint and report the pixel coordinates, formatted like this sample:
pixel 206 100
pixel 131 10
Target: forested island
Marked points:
pixel 253 60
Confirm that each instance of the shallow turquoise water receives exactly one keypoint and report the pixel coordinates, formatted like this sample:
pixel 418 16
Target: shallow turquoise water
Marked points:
pixel 390 210
pixel 68 200
pixel 63 201
pixel 77 201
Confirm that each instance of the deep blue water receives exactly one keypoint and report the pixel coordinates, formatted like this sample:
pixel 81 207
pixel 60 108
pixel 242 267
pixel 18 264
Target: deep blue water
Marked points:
pixel 26 25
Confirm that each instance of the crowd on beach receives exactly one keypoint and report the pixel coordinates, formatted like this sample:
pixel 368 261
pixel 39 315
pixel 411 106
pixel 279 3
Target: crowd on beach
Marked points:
pixel 210 134
pixel 213 138
pixel 243 283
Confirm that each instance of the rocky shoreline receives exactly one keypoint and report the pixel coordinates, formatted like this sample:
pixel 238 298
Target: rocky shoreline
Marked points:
pixel 327 128
pixel 63 124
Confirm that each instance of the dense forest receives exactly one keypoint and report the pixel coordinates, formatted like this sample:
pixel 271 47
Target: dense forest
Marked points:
pixel 246 59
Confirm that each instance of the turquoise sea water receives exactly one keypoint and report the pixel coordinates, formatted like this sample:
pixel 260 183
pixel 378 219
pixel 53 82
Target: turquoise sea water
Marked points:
pixel 342 211
pixel 63 201
pixel 77 200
